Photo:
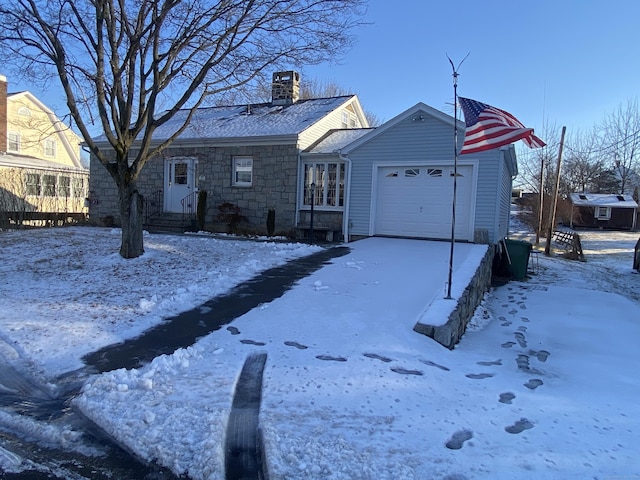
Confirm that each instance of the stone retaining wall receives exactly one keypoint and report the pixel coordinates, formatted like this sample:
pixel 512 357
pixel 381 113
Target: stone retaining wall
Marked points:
pixel 450 333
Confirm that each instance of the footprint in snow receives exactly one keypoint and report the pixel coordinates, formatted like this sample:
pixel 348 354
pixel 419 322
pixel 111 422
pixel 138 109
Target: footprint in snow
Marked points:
pixel 479 376
pixel 233 330
pixel 519 427
pixel 299 346
pixel 331 358
pixel 542 355
pixel 508 344
pixel 523 362
pixel 433 364
pixel 404 371
pixel 489 364
pixel 533 383
pixel 506 397
pixel 458 439
pixel 252 342
pixel 375 356
pixel 521 339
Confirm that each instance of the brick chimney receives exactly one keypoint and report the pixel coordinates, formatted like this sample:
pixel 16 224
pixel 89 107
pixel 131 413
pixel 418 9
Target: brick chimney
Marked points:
pixel 285 88
pixel 3 113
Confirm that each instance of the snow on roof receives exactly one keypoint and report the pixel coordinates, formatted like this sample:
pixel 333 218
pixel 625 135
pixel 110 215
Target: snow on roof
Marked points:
pixel 252 120
pixel 335 140
pixel 602 200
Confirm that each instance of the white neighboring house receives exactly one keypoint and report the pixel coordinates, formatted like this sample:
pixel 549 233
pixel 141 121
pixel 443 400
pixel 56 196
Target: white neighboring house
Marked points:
pixel 41 175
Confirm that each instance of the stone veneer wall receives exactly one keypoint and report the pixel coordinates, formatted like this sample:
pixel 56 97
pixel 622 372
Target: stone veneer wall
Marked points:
pixel 275 173
pixel 450 333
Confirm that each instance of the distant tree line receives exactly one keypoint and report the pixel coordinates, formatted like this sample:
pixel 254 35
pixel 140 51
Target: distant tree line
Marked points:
pixel 605 159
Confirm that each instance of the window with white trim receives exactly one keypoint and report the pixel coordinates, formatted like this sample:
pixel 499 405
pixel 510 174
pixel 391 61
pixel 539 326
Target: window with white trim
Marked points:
pixel 13 142
pixel 78 187
pixel 64 186
pixel 49 147
pixel 32 184
pixel 49 185
pixel 24 111
pixel 242 171
pixel 325 182
pixel 603 213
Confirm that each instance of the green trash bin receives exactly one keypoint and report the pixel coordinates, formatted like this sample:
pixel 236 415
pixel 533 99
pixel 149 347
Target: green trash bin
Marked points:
pixel 519 252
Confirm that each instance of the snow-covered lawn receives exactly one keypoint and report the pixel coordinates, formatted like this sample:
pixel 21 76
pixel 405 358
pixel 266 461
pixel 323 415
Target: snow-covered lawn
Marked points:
pixel 543 385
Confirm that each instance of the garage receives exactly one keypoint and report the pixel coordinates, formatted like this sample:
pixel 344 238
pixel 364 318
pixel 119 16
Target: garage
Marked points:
pixel 415 201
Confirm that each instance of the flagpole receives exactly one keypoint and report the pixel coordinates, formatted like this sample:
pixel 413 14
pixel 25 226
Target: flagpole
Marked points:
pixel 455 171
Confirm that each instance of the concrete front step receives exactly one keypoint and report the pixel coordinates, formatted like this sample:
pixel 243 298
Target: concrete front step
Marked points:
pixel 169 223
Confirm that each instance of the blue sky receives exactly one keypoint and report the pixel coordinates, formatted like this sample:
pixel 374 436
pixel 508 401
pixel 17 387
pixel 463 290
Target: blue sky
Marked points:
pixel 566 62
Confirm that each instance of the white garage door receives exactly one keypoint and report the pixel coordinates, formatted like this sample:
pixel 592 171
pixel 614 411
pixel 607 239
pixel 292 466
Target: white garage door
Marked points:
pixel 416 202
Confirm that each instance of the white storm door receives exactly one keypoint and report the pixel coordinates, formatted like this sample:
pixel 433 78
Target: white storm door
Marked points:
pixel 179 182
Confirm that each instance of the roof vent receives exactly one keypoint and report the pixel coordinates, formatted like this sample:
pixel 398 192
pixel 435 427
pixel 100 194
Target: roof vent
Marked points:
pixel 582 197
pixel 620 198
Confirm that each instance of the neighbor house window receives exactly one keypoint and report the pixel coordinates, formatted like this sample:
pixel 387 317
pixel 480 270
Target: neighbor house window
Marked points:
pixel 49 185
pixel 77 183
pixel 24 111
pixel 242 171
pixel 49 148
pixel 64 187
pixel 325 182
pixel 603 213
pixel 13 142
pixel 32 181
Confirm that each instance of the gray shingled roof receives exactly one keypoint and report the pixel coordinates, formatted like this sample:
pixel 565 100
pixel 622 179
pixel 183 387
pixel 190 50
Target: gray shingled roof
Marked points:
pixel 245 121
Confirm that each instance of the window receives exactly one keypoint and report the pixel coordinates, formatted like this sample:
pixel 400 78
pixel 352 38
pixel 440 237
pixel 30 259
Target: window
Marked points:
pixel 13 142
pixel 180 173
pixel 603 213
pixel 77 184
pixel 242 171
pixel 49 185
pixel 32 181
pixel 328 180
pixel 49 147
pixel 348 120
pixel 434 172
pixel 64 187
pixel 24 111
pixel 412 172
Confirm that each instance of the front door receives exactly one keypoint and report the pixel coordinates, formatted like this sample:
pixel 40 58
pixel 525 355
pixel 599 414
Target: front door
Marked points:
pixel 179 180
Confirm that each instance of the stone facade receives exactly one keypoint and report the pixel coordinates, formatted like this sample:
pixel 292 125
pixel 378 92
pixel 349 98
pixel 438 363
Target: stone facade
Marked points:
pixel 274 185
pixel 450 333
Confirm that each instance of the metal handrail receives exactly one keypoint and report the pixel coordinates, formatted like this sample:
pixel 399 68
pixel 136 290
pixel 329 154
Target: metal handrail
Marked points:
pixel 153 206
pixel 189 204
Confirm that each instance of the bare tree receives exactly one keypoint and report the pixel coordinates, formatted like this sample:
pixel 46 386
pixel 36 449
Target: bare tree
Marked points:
pixel 620 133
pixel 132 65
pixel 585 168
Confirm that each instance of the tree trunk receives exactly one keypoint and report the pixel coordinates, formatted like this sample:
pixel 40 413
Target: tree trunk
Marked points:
pixel 131 221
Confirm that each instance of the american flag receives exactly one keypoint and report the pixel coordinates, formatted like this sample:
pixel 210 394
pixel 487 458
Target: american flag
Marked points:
pixel 488 127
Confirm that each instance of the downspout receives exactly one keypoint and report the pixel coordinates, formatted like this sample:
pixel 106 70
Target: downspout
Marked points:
pixel 347 197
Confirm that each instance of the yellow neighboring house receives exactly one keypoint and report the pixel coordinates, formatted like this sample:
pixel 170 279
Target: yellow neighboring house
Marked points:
pixel 41 176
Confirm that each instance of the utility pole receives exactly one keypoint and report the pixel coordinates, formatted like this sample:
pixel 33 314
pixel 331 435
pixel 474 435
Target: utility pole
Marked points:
pixel 540 201
pixel 554 204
